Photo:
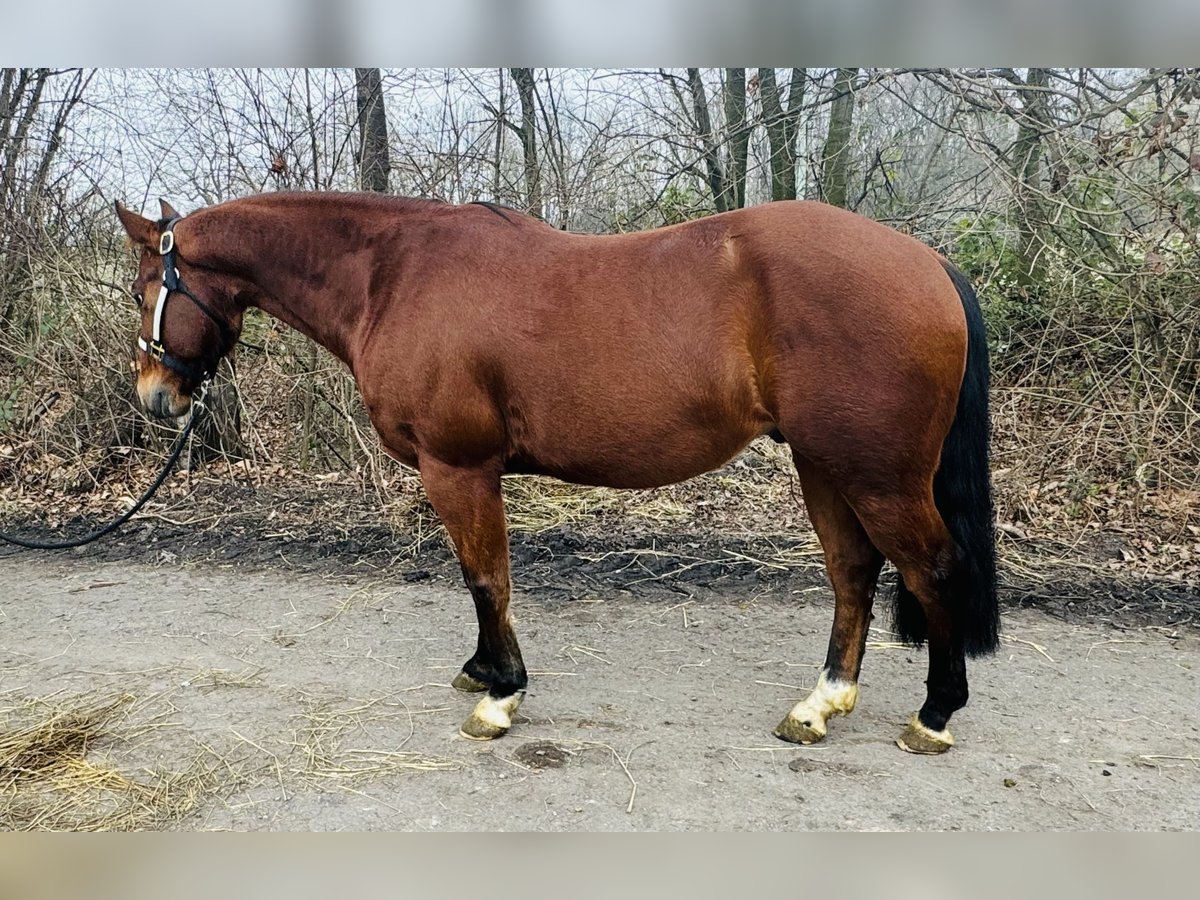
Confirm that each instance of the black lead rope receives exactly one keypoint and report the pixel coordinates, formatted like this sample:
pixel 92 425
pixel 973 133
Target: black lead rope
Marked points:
pixel 197 408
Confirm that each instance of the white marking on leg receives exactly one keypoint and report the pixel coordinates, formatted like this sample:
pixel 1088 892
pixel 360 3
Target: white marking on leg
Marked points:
pixel 491 717
pixel 831 697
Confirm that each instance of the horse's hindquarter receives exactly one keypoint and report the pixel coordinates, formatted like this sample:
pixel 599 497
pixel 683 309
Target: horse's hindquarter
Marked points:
pixel 868 336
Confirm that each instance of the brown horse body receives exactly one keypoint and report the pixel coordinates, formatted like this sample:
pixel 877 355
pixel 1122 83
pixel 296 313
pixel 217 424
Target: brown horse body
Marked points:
pixel 485 342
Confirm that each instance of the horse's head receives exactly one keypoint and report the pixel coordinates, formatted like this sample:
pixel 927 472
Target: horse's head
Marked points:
pixel 190 317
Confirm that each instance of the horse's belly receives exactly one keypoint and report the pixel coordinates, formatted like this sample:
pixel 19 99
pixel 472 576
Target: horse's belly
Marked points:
pixel 638 458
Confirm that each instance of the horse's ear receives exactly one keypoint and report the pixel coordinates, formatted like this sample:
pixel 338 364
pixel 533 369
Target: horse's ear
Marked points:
pixel 141 231
pixel 168 211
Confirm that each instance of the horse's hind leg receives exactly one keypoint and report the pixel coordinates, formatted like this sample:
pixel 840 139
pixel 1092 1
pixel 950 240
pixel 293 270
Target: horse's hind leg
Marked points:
pixel 909 530
pixel 470 505
pixel 853 565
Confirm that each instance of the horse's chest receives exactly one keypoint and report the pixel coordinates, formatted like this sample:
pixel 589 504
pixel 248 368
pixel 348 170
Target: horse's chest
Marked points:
pixel 396 434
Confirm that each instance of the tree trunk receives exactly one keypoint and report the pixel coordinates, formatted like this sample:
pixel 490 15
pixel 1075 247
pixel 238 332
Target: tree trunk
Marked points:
pixel 1027 171
pixel 501 112
pixel 373 162
pixel 704 129
pixel 739 138
pixel 8 100
pixel 20 100
pixel 835 160
pixel 528 131
pixel 782 124
pixel 20 135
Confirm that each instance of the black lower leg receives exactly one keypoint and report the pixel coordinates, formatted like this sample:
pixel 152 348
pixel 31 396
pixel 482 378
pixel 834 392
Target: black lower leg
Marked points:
pixel 481 666
pixel 843 659
pixel 497 661
pixel 946 687
pixel 854 591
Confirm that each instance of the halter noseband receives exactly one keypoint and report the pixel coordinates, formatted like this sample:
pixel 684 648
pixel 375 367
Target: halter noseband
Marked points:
pixel 172 283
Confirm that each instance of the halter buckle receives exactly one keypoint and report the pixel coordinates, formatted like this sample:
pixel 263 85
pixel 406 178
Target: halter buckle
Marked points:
pixel 166 243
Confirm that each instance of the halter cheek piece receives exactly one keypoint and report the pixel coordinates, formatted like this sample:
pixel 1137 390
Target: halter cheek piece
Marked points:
pixel 195 371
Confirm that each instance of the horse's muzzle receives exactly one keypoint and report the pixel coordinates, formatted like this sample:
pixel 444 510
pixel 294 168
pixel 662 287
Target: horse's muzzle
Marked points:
pixel 163 402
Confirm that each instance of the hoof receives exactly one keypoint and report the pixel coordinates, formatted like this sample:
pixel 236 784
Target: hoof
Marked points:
pixel 468 685
pixel 475 729
pixel 491 717
pixel 916 738
pixel 805 724
pixel 797 731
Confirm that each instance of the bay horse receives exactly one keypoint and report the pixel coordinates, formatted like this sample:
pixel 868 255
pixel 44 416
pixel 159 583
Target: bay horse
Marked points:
pixel 486 342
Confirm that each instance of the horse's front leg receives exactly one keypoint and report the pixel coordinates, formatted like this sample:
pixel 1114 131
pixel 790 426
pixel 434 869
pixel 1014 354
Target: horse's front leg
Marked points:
pixel 469 503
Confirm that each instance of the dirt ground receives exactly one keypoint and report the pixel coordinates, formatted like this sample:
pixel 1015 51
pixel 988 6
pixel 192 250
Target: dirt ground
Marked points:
pixel 324 695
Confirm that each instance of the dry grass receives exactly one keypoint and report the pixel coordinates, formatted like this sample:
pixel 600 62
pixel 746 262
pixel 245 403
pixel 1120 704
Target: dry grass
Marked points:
pixel 331 738
pixel 72 763
pixel 54 776
pixel 211 679
pixel 757 489
pixel 536 505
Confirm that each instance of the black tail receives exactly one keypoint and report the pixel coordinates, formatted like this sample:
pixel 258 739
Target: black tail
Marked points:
pixel 962 489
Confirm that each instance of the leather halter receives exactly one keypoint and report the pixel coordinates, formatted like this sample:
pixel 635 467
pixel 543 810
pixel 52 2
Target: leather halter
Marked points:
pixel 196 371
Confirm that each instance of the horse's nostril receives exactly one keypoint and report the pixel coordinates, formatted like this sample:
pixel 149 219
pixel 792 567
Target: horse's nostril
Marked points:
pixel 158 402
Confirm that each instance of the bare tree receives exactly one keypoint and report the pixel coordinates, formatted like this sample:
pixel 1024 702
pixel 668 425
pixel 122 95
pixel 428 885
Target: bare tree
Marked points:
pixel 32 128
pixel 373 161
pixel 527 131
pixel 781 119
pixel 835 160
pixel 734 91
pixel 1033 123
pixel 708 139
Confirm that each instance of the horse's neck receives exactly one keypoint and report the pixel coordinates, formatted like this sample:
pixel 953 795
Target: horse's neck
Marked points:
pixel 329 318
pixel 300 279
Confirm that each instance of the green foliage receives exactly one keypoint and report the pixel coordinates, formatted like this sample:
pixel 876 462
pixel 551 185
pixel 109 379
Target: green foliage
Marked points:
pixel 682 204
pixel 986 250
pixel 1187 204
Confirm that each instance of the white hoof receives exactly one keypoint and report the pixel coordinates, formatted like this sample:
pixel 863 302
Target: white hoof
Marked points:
pixel 491 717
